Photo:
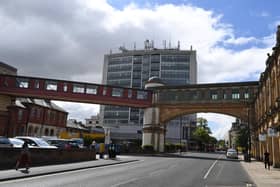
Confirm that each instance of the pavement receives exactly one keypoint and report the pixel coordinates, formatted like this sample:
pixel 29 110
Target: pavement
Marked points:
pixel 13 174
pixel 262 177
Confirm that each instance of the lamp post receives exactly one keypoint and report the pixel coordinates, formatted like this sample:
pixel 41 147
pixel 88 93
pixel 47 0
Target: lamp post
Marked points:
pixel 180 133
pixel 249 137
pixel 139 133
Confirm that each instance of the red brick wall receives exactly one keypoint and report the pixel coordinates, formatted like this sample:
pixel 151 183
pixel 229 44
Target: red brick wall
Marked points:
pixel 8 156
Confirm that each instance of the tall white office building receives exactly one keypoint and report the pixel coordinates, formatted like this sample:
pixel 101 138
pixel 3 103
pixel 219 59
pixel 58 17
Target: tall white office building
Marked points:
pixel 132 68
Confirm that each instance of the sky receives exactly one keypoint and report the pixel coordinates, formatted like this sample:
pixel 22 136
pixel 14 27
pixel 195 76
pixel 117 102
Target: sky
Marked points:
pixel 68 39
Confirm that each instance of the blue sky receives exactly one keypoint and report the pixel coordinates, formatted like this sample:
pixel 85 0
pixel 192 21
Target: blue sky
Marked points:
pixel 248 17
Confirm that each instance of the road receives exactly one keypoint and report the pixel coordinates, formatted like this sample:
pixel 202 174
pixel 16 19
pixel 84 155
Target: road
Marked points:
pixel 191 169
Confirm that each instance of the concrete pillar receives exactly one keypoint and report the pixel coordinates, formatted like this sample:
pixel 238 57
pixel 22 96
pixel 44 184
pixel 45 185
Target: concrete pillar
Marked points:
pixel 153 133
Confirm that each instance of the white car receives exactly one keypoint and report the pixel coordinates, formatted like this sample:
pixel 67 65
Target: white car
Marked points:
pixel 34 142
pixel 16 142
pixel 232 153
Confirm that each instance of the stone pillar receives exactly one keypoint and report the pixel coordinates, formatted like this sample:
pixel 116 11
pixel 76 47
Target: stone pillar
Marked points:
pixel 275 152
pixel 262 149
pixel 153 133
pixel 269 148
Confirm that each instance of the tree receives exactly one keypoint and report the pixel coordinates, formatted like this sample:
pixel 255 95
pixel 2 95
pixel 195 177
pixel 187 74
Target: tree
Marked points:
pixel 242 138
pixel 212 140
pixel 203 123
pixel 221 143
pixel 202 134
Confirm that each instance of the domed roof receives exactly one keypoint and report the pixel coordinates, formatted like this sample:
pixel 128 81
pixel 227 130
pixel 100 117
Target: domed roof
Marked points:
pixel 155 79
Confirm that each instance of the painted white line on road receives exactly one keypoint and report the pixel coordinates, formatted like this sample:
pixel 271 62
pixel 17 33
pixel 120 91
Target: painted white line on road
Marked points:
pixel 211 167
pixel 62 173
pixel 125 182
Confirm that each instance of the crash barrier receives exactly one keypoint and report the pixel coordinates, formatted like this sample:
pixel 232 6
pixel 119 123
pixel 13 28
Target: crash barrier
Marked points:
pixel 41 156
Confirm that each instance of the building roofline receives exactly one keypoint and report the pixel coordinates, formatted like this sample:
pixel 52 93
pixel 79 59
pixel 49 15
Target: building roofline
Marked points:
pixel 212 85
pixel 151 51
pixel 8 66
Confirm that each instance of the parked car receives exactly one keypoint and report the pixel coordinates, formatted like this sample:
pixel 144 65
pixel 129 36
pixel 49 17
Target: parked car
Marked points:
pixel 79 141
pixel 232 153
pixel 5 142
pixel 63 143
pixel 34 142
pixel 16 142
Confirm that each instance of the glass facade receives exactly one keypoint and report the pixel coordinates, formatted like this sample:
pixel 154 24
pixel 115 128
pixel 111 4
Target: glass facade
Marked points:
pixel 133 69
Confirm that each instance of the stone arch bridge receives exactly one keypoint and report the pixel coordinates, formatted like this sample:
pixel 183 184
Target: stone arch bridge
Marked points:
pixel 234 99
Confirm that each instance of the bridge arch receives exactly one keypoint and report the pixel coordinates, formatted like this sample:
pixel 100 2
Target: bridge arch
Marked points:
pixel 169 113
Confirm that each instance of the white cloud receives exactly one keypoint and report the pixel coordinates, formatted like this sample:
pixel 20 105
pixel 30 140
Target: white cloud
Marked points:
pixel 218 123
pixel 68 40
pixel 79 111
pixel 240 40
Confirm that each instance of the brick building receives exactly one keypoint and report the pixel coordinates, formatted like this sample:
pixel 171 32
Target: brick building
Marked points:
pixel 36 117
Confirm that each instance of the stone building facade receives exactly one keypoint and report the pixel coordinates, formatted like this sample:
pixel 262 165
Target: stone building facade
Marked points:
pixel 234 131
pixel 267 109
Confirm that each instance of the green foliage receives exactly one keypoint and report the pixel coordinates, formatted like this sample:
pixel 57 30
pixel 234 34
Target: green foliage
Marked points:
pixel 203 123
pixel 242 138
pixel 201 135
pixel 221 143
pixel 168 147
pixel 148 148
pixel 87 140
pixel 179 146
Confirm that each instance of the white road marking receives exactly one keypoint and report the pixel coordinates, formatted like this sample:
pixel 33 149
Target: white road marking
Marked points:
pixel 211 167
pixel 124 182
pixel 62 173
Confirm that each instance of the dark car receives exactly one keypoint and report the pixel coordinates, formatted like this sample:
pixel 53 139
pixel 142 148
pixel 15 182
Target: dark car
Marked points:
pixel 63 143
pixel 5 142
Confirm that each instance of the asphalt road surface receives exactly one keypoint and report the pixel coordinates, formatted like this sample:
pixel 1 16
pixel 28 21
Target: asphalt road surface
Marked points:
pixel 191 169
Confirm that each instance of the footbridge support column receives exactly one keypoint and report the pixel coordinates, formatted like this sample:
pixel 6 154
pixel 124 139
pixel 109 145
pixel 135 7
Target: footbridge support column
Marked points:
pixel 153 132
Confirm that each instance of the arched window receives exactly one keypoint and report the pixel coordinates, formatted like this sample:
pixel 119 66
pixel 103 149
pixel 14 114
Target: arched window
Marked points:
pixel 46 132
pixel 52 132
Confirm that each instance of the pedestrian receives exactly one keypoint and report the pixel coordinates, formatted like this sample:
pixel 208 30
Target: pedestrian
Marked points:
pixel 266 160
pixel 93 144
pixel 24 158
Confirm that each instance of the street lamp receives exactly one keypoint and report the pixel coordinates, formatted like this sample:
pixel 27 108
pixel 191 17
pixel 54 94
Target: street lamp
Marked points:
pixel 249 136
pixel 180 133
